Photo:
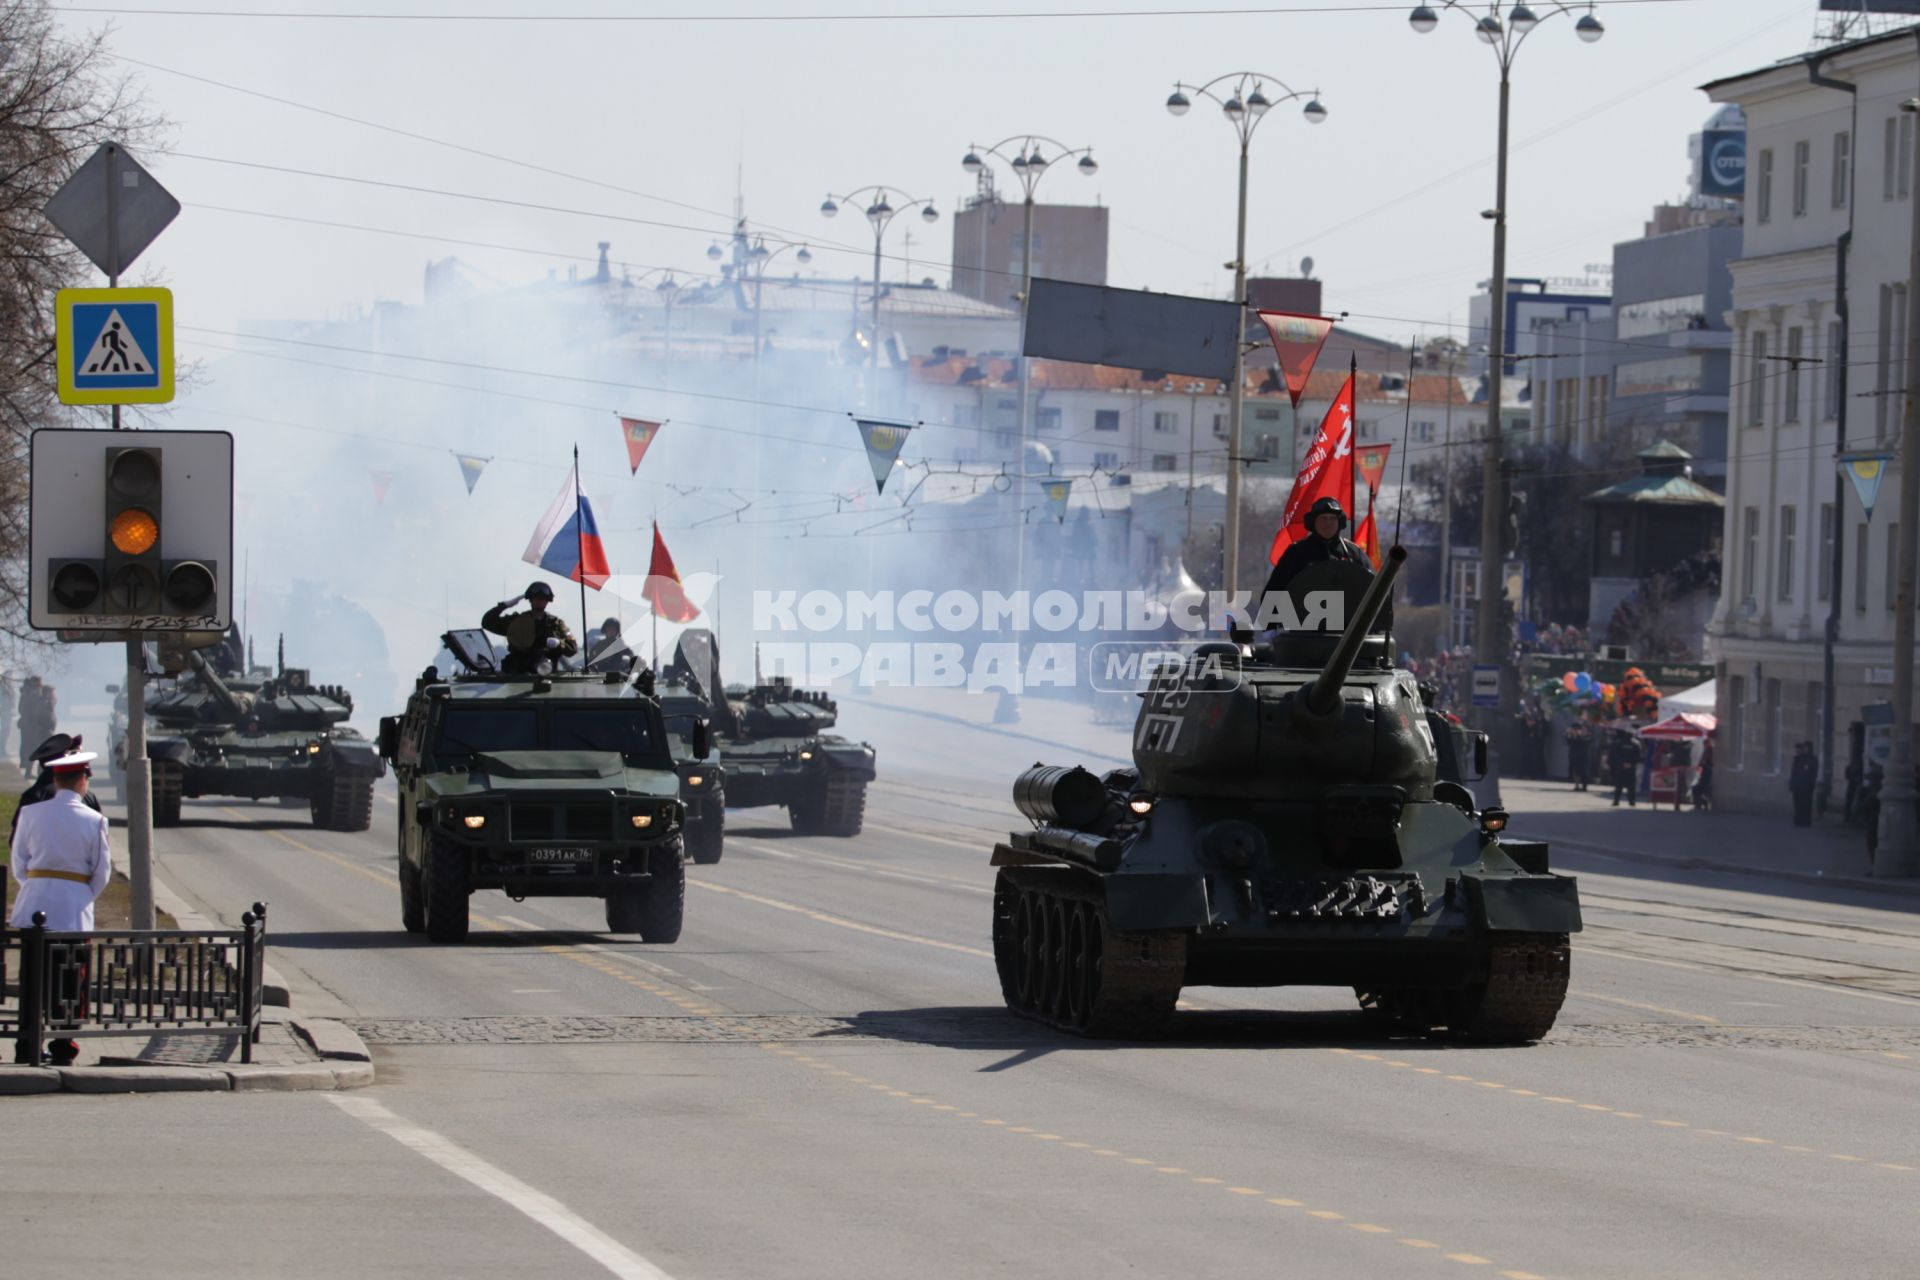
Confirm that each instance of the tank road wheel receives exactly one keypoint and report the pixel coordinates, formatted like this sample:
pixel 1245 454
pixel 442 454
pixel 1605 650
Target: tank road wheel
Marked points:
pixel 705 839
pixel 447 886
pixel 413 899
pixel 655 907
pixel 1062 963
pixel 1517 1001
pixel 169 779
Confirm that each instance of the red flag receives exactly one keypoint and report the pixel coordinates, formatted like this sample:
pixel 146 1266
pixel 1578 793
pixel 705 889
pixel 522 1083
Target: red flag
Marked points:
pixel 663 590
pixel 639 434
pixel 1367 536
pixel 1326 473
pixel 1372 461
pixel 1297 340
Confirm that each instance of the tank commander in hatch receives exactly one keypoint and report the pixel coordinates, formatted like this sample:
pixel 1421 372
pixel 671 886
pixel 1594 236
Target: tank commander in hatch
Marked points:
pixel 1324 520
pixel 532 637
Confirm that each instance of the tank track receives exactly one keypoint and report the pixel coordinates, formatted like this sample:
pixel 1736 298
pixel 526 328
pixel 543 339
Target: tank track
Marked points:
pixel 1516 1002
pixel 839 809
pixel 167 780
pixel 1060 962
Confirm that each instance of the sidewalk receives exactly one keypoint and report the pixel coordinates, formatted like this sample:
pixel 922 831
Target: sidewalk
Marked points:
pixel 294 1052
pixel 1746 844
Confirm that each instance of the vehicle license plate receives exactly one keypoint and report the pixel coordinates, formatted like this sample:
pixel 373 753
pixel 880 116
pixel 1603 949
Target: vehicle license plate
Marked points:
pixel 562 855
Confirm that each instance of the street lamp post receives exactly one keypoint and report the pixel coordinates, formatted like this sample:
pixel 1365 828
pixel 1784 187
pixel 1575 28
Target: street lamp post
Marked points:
pixel 880 214
pixel 668 289
pixel 751 258
pixel 1029 165
pixel 1246 104
pixel 1505 38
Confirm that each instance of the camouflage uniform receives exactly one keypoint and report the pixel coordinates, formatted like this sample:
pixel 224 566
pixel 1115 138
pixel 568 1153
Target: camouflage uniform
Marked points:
pixel 547 626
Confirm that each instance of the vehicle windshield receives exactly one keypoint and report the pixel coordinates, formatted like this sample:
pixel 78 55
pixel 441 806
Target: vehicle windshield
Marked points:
pixel 622 729
pixel 467 730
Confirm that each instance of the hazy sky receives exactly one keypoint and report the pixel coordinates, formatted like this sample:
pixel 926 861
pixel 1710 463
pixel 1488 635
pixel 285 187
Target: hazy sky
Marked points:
pixel 1385 196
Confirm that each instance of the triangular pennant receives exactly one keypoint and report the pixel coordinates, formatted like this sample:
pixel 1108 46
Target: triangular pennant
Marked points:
pixel 1368 536
pixel 1866 470
pixel 638 433
pixel 1057 492
pixel 471 466
pixel 1372 461
pixel 884 440
pixel 382 481
pixel 1297 340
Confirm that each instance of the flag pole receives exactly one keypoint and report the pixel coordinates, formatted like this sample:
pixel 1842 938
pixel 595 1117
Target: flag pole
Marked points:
pixel 1353 429
pixel 580 542
pixel 655 602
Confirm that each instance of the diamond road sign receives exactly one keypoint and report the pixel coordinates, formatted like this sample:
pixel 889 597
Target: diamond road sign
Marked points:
pixel 111 209
pixel 114 346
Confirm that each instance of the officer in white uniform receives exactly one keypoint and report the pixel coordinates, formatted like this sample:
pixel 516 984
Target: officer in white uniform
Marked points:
pixel 60 853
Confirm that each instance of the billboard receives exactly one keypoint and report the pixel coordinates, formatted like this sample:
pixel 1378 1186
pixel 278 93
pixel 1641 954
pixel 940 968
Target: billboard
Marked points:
pixel 1723 160
pixel 1131 329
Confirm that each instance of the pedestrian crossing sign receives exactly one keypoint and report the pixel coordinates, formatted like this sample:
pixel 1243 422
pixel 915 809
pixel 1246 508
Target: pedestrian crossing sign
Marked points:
pixel 114 346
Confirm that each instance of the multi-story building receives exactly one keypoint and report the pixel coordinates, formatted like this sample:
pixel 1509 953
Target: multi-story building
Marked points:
pixel 1819 309
pixel 1532 304
pixel 989 246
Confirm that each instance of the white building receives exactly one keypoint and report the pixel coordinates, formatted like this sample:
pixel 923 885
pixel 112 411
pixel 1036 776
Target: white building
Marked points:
pixel 1829 152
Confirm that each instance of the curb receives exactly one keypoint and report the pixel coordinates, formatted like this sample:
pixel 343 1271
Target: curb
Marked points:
pixel 345 1064
pixel 1904 888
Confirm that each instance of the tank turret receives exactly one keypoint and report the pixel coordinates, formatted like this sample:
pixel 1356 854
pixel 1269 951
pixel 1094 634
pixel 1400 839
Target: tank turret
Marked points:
pixel 229 706
pixel 1286 822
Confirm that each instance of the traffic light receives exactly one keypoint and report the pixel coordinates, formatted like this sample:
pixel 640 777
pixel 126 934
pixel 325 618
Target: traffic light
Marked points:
pixel 109 552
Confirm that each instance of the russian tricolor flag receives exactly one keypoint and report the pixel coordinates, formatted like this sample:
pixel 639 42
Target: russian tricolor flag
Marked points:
pixel 567 541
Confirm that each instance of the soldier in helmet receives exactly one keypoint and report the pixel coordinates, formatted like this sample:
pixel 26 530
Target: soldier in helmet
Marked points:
pixel 1324 520
pixel 534 636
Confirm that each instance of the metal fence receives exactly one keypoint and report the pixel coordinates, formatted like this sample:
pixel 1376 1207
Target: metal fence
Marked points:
pixel 131 981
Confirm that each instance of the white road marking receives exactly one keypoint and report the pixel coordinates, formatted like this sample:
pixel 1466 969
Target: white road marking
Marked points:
pixel 542 1208
pixel 1877 996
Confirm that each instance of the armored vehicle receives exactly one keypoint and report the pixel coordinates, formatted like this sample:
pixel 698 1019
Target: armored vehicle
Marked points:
pixel 558 785
pixel 260 736
pixel 703 782
pixel 1295 816
pixel 774 748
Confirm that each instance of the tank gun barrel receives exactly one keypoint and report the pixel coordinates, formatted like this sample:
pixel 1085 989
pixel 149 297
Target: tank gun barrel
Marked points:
pixel 1323 695
pixel 232 703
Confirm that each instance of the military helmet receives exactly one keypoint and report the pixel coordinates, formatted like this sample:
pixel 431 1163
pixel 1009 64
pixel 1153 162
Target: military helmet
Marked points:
pixel 1322 507
pixel 539 591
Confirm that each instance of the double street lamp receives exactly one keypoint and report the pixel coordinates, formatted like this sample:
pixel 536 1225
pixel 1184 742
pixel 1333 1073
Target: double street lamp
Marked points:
pixel 751 258
pixel 881 211
pixel 1029 164
pixel 1504 27
pixel 1247 102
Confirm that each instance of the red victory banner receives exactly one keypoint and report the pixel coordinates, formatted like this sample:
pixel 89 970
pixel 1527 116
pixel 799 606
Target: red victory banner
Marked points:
pixel 1297 340
pixel 1326 473
pixel 382 481
pixel 638 433
pixel 1368 537
pixel 1372 461
pixel 663 590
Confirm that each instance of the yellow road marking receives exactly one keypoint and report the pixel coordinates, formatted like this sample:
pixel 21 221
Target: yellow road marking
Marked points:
pixel 1650 1008
pixel 1283 1202
pixel 1371 1229
pixel 1418 1244
pixel 1328 1214
pixel 1471 1259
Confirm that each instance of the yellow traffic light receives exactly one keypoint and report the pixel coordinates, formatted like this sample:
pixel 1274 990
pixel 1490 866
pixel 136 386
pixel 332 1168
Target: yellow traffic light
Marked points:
pixel 133 532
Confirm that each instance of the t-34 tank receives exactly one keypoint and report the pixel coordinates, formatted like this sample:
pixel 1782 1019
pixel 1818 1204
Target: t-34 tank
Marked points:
pixel 260 738
pixel 1289 821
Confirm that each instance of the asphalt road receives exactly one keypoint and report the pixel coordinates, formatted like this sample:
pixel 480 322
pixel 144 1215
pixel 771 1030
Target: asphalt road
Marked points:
pixel 819 1080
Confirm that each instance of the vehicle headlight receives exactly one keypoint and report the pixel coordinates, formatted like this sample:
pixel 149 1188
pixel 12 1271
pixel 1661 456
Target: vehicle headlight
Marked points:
pixel 642 821
pixel 313 748
pixel 474 821
pixel 1141 805
pixel 806 755
pixel 696 779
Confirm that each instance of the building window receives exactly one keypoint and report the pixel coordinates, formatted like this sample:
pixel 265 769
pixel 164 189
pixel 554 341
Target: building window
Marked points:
pixel 1905 149
pixel 1830 379
pixel 967 415
pixel 1047 419
pixel 1749 551
pixel 1890 157
pixel 1892 354
pixel 1597 391
pixel 1817 718
pixel 1763 188
pixel 1771 725
pixel 1266 415
pixel 1788 518
pixel 1616 542
pixel 1757 384
pixel 1842 168
pixel 1737 721
pixel 1267 448
pixel 1823 572
pixel 1007 406
pixel 1423 432
pixel 1106 419
pixel 1860 567
pixel 1802 163
pixel 1893 561
pixel 1164 421
pixel 1167 461
pixel 1792 396
pixel 1220 425
pixel 1106 460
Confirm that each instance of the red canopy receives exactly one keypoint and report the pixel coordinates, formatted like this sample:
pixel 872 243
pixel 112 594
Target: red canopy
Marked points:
pixel 1687 724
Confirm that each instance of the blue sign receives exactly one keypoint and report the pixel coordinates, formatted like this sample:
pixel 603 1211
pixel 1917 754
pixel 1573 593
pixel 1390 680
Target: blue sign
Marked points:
pixel 1486 685
pixel 114 346
pixel 1723 162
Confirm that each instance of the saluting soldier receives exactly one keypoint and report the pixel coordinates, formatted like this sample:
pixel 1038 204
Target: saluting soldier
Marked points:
pixel 531 636
pixel 62 863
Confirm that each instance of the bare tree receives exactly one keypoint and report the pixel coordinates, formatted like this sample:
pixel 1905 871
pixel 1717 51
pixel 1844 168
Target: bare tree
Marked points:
pixel 59 98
